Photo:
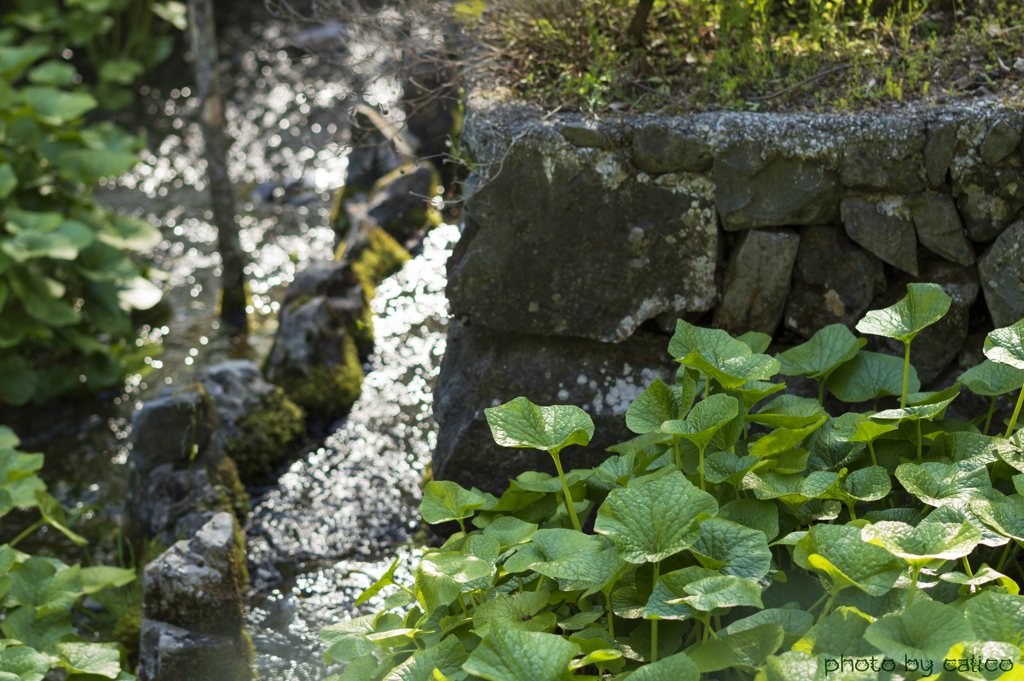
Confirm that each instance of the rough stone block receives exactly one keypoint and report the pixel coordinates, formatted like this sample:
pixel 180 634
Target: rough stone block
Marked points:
pixel 989 199
pixel 484 368
pixel 834 281
pixel 755 188
pixel 166 428
pixel 939 150
pixel 659 149
pixel 169 653
pixel 757 281
pixel 400 201
pixel 884 166
pixel 1000 141
pixel 582 136
pixel 939 227
pixel 1001 268
pixel 885 227
pixel 197 584
pixel 563 242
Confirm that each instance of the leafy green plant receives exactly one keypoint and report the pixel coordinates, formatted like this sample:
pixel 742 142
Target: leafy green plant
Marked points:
pixel 721 552
pixel 67 283
pixel 39 594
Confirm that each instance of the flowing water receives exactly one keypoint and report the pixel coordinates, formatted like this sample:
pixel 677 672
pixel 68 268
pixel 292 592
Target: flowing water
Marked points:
pixel 336 517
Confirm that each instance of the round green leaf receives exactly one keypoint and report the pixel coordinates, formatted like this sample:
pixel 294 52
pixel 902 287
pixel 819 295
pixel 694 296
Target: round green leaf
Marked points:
pixel 870 375
pixel 513 655
pixel 659 403
pixel 992 378
pixel 924 543
pixel 445 500
pixel 935 483
pixel 676 667
pixel 746 650
pixel 732 549
pixel 55 106
pixel 1006 345
pixel 839 552
pixel 704 420
pixel 24 663
pixel 924 305
pixel 521 423
pixel 925 631
pixel 841 633
pixel 997 617
pixel 827 349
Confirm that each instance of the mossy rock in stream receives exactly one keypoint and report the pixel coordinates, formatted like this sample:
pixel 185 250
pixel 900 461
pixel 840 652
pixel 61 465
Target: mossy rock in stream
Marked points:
pixel 329 390
pixel 268 432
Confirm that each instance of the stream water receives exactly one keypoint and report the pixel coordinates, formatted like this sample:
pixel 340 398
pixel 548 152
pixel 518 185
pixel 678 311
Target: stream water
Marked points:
pixel 336 516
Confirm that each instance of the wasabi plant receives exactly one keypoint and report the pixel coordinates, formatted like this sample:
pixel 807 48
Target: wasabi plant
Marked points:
pixel 40 593
pixel 741 534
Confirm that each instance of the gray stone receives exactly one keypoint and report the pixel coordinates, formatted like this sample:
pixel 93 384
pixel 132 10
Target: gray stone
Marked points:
pixel 937 346
pixel 166 496
pixel 1001 268
pixel 939 227
pixel 166 428
pixel 236 387
pixel 834 281
pixel 755 188
pixel 169 653
pixel 197 583
pixel 757 281
pixel 483 368
pixel 999 143
pixel 658 149
pixel 884 227
pixel 562 242
pixel 939 150
pixel 400 200
pixel 989 199
pixel 580 136
pixel 884 165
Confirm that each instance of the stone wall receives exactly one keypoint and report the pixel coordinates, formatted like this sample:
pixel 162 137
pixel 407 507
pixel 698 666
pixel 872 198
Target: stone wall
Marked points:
pixel 584 238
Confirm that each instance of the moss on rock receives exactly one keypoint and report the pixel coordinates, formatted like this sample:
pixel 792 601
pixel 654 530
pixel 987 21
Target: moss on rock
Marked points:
pixel 232 496
pixel 381 257
pixel 329 389
pixel 268 433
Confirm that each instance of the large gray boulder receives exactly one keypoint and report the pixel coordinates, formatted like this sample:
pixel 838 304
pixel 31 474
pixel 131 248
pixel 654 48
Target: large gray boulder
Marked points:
pixel 755 186
pixel 1001 140
pixel 757 281
pixel 563 242
pixel 484 368
pixel 834 281
pixel 1001 268
pixel 885 165
pixel 884 226
pixel 940 147
pixel 659 149
pixel 989 198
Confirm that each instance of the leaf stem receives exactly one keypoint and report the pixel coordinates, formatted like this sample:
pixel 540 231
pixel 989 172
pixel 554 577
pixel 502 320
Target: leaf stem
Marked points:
pixel 913 585
pixel 611 614
pixel 462 525
pixel 871 448
pixel 463 604
pixel 568 496
pixel 28 530
pixel 654 623
pixel 703 487
pixel 918 439
pixel 906 373
pixel 679 459
pixel 967 567
pixel 821 600
pixel 988 417
pixel 827 608
pixel 1016 413
pixel 1006 554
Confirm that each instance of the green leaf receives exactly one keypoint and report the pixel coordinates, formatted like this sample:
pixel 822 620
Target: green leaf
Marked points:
pixel 668 599
pixel 516 611
pixel 839 552
pixel 855 427
pixel 1006 345
pixel 521 423
pixel 35 221
pixel 925 543
pixel 447 657
pixel 992 378
pixel 829 452
pixel 922 405
pixel 676 667
pixel 446 500
pixel 762 516
pixel 15 58
pixel 720 591
pixel 870 375
pixel 727 467
pixel 128 232
pixel 512 655
pixel 659 403
pixel 63 244
pixel 36 628
pixel 983 576
pixel 17 380
pixel 89 658
pixel 41 297
pixel 733 372
pixel 387 579
pixel 707 342
pixel 924 305
pixel 935 483
pixel 705 419
pixel 732 549
pixel 841 633
pixel 535 481
pixel 654 521
pixel 53 72
pixel 1006 517
pixel 795 623
pixel 441 577
pixel 55 106
pixel 991 653
pixel 53 513
pixel 757 342
pixel 753 392
pixel 957 511
pixel 23 663
pixel 8 180
pixel 510 531
pixel 99 577
pixel 827 349
pixel 90 165
pixel 782 440
pixel 788 411
pixel 346 639
pixel 996 617
pixel 121 71
pixel 40 584
pixel 746 650
pixel 925 630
